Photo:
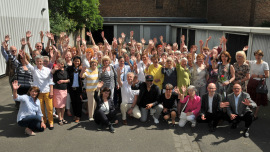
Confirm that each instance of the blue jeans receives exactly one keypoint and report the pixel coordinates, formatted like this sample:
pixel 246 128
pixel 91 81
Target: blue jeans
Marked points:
pixel 32 122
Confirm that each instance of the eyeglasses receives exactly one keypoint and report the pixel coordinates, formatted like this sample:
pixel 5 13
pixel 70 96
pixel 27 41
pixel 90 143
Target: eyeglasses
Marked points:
pixel 168 89
pixel 236 88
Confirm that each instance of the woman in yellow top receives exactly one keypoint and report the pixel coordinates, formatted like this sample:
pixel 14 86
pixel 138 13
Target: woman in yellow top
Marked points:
pixel 155 70
pixel 91 75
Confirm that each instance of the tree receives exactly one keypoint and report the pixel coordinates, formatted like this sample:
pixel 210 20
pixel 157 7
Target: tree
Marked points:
pixel 72 15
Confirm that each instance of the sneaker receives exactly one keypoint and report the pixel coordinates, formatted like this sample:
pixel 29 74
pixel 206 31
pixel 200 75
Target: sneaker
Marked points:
pixel 246 133
pixel 111 128
pixel 155 120
pixel 91 119
pixel 99 127
pixel 193 124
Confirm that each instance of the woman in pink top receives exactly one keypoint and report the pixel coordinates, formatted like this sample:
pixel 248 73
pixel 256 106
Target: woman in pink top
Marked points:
pixel 193 106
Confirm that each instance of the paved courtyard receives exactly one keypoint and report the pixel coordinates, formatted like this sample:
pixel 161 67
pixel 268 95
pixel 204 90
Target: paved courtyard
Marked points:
pixel 136 136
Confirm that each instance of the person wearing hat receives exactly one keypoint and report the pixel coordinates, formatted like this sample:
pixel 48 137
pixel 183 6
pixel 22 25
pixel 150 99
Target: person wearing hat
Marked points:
pixel 148 98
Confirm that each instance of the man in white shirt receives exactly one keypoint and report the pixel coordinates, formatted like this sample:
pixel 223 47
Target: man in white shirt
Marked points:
pixel 129 97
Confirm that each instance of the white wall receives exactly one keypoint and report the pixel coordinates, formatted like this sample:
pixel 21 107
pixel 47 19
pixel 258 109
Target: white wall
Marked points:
pixel 19 16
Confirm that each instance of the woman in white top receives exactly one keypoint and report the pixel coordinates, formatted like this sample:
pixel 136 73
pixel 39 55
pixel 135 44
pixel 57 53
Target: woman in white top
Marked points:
pixel 259 69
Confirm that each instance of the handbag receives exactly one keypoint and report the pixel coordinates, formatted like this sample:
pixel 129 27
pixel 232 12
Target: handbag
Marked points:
pixel 183 115
pixel 262 87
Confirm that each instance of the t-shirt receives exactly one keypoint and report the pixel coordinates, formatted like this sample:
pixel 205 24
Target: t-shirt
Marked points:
pixel 170 103
pixel 91 79
pixel 258 69
pixel 127 93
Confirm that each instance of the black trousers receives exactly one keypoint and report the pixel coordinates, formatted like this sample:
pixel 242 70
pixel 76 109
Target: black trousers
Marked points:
pixel 247 118
pixel 33 122
pixel 211 118
pixel 76 102
pixel 101 118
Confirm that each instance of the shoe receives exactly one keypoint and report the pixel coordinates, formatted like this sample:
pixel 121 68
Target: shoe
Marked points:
pixel 91 119
pixel 124 122
pixel 155 120
pixel 246 133
pixel 29 132
pixel 51 128
pixel 60 122
pixel 193 124
pixel 234 126
pixel 172 125
pixel 111 128
pixel 64 121
pixel 77 121
pixel 99 127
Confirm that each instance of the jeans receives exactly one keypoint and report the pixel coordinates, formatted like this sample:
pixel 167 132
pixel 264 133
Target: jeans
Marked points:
pixel 155 111
pixel 32 122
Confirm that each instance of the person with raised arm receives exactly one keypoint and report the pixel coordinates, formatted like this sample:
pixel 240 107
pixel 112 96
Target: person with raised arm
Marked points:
pixel 39 45
pixel 105 114
pixel 43 79
pixel 148 98
pixel 240 108
pixel 192 106
pixel 29 115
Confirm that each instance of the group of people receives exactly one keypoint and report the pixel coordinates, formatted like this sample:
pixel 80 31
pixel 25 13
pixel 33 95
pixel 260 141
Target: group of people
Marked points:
pixel 160 80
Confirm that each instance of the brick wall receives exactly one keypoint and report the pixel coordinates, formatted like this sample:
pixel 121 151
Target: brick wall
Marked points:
pixel 147 8
pixel 238 12
pixel 262 12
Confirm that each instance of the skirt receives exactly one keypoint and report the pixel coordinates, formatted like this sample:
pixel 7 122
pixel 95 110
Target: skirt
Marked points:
pixel 59 98
pixel 259 98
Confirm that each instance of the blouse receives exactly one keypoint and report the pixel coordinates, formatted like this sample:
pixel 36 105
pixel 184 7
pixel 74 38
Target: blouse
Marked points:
pixel 193 105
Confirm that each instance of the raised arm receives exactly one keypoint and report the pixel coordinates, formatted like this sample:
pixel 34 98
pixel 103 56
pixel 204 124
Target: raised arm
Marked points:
pixel 28 35
pixel 48 34
pixel 119 73
pixel 207 40
pixel 15 86
pixel 4 47
pixel 91 37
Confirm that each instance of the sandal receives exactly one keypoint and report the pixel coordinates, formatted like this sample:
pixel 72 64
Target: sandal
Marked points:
pixel 64 121
pixel 60 122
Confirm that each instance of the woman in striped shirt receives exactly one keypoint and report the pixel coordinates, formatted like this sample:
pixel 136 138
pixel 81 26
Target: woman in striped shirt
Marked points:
pixel 91 75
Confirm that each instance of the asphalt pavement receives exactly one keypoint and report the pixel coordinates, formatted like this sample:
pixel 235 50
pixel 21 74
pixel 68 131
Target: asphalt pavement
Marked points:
pixel 134 137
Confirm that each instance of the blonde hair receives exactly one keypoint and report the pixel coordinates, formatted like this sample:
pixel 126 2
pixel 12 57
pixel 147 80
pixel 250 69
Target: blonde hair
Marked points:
pixel 105 58
pixel 241 53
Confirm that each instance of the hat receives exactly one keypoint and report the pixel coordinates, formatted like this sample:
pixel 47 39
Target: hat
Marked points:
pixel 149 78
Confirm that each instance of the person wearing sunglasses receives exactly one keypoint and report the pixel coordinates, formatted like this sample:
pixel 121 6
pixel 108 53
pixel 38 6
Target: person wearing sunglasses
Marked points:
pixel 148 98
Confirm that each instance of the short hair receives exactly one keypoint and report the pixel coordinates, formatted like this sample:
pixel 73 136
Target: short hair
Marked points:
pixel 241 53
pixel 93 61
pixel 200 56
pixel 192 87
pixel 131 73
pixel 39 57
pixel 35 88
pixel 189 55
pixel 61 60
pixel 169 59
pixel 90 50
pixel 105 58
pixel 259 52
pixel 183 59
pixel 205 48
pixel 95 46
pixel 76 57
pixel 46 57
pixel 100 52
pixel 227 54
pixel 154 57
pixel 177 52
pixel 169 86
pixel 164 53
pixel 123 50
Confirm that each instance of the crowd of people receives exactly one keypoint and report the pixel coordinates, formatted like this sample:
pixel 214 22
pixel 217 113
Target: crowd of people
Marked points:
pixel 160 79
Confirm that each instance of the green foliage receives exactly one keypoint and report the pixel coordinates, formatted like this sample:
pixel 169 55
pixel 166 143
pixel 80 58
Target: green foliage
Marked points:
pixel 265 24
pixel 72 15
